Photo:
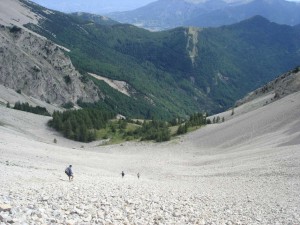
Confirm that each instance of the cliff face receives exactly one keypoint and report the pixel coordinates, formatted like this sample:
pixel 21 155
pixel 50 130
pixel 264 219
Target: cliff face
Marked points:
pixel 39 68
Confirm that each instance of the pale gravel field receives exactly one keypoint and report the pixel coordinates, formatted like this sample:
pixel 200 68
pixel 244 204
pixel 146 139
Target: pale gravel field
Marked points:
pixel 12 12
pixel 243 171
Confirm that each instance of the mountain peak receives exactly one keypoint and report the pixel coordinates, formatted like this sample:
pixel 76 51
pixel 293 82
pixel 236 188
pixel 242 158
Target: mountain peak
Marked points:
pixel 257 19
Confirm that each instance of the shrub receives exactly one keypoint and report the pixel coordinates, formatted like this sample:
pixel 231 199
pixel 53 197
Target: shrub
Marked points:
pixel 154 130
pixel 67 79
pixel 182 129
pixel 68 105
pixel 296 70
pixel 15 29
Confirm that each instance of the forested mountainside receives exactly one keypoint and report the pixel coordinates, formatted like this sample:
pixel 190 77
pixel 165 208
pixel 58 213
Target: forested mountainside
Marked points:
pixel 175 72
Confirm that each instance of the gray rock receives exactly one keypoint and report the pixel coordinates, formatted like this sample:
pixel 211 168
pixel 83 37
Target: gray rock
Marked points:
pixel 5 207
pixel 44 72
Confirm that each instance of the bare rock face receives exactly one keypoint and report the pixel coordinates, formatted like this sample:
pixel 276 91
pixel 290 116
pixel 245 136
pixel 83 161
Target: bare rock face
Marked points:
pixel 39 68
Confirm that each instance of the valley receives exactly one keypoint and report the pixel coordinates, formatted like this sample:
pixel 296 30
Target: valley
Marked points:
pixel 233 90
pixel 226 63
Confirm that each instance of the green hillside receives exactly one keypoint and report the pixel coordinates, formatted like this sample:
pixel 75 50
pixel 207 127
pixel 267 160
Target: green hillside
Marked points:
pixel 229 61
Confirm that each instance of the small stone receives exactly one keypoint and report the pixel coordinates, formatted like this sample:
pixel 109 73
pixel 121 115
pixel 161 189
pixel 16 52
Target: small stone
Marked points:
pixel 70 222
pixel 30 207
pixel 176 214
pixel 8 219
pixel 87 219
pixel 129 201
pixel 201 222
pixel 5 208
pixel 94 200
pixel 45 198
pixel 53 220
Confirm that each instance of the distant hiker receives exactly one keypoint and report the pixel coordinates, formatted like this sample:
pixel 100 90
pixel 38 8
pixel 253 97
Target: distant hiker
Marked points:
pixel 138 175
pixel 69 172
pixel 123 174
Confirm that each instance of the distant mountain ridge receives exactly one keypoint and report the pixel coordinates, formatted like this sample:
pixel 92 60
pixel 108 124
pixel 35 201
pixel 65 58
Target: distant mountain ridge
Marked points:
pixel 167 14
pixel 92 6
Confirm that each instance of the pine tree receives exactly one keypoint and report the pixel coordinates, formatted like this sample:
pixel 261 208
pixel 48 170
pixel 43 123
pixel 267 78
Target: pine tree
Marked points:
pixel 182 129
pixel 83 133
pixel 68 133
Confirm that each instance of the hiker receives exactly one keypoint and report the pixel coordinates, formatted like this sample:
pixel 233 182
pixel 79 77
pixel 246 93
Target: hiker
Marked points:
pixel 138 175
pixel 69 172
pixel 123 174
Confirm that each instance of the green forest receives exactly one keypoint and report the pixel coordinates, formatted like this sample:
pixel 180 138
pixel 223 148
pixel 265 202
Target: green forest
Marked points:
pixel 86 125
pixel 80 125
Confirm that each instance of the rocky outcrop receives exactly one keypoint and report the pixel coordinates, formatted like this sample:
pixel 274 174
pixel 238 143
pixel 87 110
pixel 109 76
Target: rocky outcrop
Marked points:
pixel 192 41
pixel 37 67
pixel 118 85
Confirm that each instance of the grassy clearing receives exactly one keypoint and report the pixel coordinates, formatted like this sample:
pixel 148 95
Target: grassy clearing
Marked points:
pixel 115 134
pixel 173 130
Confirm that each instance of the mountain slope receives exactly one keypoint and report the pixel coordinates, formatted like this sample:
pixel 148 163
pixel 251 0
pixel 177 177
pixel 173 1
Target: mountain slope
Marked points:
pixel 158 15
pixel 282 86
pixel 166 14
pixel 39 68
pixel 170 73
pixel 178 71
pixel 278 11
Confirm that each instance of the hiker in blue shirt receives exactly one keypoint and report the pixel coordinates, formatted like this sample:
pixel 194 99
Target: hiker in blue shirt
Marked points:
pixel 69 172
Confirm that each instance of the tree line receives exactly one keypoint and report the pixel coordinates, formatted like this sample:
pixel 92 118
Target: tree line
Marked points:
pixel 28 108
pixel 196 119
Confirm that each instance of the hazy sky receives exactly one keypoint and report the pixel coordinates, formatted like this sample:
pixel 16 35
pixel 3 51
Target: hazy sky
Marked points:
pixel 95 6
